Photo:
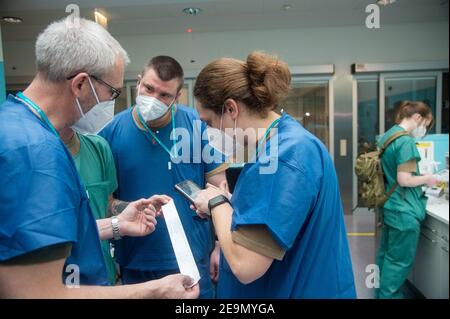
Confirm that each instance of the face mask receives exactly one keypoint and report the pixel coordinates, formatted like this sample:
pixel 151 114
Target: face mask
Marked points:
pixel 97 118
pixel 150 107
pixel 221 141
pixel 419 132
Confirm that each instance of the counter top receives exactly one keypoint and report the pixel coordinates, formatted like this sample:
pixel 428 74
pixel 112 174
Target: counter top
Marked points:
pixel 438 208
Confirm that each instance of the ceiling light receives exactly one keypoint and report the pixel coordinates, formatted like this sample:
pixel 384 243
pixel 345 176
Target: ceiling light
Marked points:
pixel 308 114
pixel 12 19
pixel 192 11
pixel 101 19
pixel 287 7
pixel 385 2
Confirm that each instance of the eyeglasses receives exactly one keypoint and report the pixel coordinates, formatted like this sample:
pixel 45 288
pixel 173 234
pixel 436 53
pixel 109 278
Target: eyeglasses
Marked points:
pixel 115 93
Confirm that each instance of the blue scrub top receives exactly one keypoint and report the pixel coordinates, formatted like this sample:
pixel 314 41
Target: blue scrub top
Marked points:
pixel 42 201
pixel 301 206
pixel 143 170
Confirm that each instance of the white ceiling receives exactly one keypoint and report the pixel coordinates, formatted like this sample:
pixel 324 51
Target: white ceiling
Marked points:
pixel 139 17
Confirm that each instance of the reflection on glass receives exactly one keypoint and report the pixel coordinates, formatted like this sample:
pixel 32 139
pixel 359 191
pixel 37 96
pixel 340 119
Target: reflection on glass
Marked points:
pixel 368 115
pixel 308 104
pixel 411 89
pixel 368 120
pixel 445 104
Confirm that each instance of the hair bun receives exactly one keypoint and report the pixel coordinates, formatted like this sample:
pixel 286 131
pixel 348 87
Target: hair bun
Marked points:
pixel 269 79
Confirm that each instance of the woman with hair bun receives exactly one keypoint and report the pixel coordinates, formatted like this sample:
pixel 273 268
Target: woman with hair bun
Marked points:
pixel 282 233
pixel 405 210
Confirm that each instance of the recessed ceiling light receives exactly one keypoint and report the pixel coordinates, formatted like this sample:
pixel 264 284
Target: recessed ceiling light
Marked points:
pixel 385 2
pixel 287 7
pixel 12 19
pixel 101 19
pixel 192 11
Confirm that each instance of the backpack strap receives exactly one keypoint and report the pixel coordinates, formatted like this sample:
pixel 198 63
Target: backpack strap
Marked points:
pixel 392 190
pixel 392 138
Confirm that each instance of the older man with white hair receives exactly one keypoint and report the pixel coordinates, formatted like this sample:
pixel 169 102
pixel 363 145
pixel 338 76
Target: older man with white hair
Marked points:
pixel 48 236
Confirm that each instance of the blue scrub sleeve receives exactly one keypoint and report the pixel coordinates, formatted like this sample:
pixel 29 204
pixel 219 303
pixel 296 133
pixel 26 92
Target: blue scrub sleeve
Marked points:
pixel 38 205
pixel 281 201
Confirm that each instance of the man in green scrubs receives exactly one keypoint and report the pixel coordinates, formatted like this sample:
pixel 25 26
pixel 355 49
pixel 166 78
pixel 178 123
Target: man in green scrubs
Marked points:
pixel 95 165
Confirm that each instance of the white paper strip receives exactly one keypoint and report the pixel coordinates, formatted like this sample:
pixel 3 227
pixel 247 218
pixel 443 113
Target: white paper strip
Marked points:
pixel 180 244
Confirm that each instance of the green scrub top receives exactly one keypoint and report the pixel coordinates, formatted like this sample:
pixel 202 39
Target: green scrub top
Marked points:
pixel 95 164
pixel 404 200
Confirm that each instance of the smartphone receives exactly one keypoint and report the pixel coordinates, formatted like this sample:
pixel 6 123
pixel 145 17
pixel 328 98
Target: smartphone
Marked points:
pixel 188 189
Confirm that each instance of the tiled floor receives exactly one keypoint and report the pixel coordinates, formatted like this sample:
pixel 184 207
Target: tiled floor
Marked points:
pixel 363 240
pixel 361 230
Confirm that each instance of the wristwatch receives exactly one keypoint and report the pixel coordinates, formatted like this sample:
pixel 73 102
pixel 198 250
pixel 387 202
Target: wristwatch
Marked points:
pixel 216 201
pixel 115 228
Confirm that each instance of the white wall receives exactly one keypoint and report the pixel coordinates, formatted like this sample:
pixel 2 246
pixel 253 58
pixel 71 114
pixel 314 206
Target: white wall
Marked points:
pixel 341 46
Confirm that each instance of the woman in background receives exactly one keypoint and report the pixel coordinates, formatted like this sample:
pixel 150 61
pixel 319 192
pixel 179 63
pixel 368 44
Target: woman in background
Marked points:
pixel 404 211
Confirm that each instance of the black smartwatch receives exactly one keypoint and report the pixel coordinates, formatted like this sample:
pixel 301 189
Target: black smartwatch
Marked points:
pixel 216 201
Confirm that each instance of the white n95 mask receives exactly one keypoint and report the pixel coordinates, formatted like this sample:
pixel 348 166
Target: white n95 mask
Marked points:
pixel 150 107
pixel 97 118
pixel 419 132
pixel 220 141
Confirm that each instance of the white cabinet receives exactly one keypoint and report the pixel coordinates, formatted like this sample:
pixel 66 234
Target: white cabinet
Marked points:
pixel 444 270
pixel 430 273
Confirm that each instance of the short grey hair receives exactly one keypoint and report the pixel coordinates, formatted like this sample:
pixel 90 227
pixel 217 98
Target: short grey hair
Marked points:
pixel 67 47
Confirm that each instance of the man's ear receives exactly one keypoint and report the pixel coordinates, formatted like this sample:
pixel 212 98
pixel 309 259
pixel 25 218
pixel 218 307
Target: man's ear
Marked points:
pixel 77 83
pixel 139 79
pixel 417 117
pixel 232 108
pixel 177 97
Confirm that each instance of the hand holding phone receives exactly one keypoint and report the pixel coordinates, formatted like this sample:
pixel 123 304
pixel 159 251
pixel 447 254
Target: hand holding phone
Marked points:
pixel 188 189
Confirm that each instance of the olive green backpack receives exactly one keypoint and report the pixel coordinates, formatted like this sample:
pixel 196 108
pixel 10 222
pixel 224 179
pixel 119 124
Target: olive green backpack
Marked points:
pixel 368 169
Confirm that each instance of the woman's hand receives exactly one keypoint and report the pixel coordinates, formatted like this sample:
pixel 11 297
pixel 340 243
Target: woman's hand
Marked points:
pixel 203 197
pixel 431 180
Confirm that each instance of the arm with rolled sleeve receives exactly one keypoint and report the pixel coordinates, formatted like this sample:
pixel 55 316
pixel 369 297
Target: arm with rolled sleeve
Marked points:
pixel 268 213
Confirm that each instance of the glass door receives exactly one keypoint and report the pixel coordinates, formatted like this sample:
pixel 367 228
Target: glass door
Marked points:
pixel 308 103
pixel 368 125
pixel 411 88
pixel 375 102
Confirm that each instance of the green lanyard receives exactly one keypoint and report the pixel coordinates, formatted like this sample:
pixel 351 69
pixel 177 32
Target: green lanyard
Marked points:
pixel 274 123
pixel 34 106
pixel 141 119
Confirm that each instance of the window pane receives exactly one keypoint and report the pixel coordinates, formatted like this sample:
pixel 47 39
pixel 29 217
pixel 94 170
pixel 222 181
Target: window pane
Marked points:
pixel 368 115
pixel 445 104
pixel 412 89
pixel 121 102
pixel 308 104
pixel 368 120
